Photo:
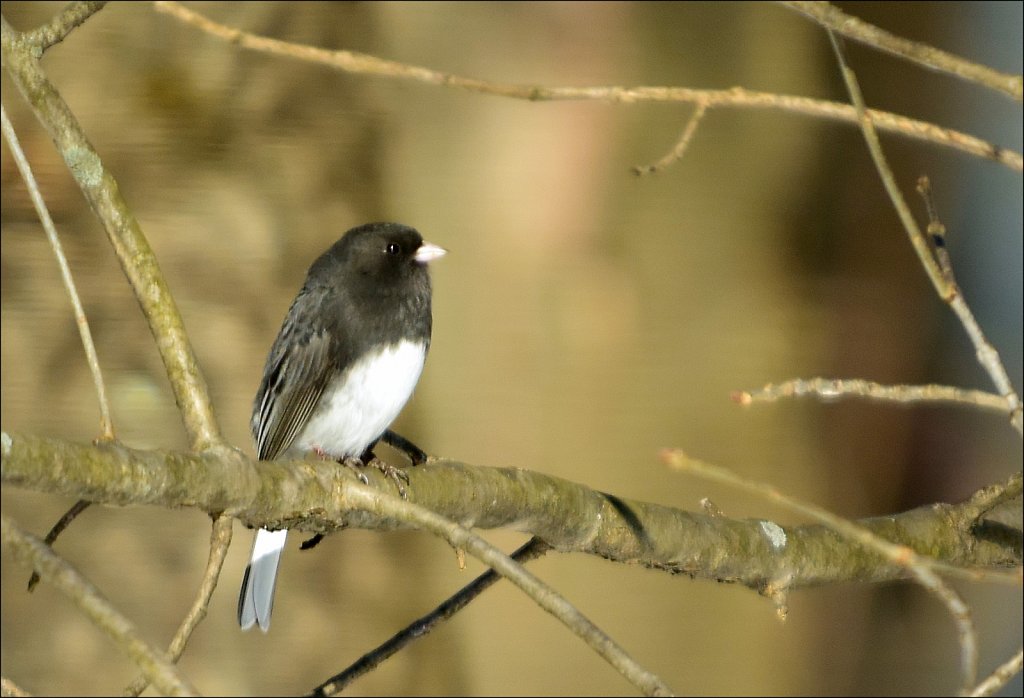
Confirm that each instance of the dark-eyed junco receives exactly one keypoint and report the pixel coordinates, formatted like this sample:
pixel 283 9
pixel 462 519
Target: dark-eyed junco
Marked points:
pixel 342 367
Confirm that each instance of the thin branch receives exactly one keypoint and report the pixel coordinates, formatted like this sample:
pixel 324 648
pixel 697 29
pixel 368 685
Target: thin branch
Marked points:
pixel 917 566
pixel 940 273
pixel 838 388
pixel 831 17
pixel 941 278
pixel 988 498
pixel 124 233
pixel 936 232
pixel 58 528
pixel 1001 676
pixel 680 147
pixel 106 423
pixel 864 532
pixel 220 541
pixel 369 499
pixel 31 551
pixel 364 64
pixel 986 354
pixel 62 24
pixel 917 238
pixel 419 628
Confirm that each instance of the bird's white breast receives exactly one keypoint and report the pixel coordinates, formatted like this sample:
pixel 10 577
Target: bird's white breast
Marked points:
pixel 360 404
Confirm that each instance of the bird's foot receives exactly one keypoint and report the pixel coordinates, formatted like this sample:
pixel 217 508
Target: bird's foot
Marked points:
pixel 356 466
pixel 393 473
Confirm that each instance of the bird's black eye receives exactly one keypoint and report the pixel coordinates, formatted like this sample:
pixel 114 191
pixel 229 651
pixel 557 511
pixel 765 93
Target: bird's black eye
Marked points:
pixel 394 249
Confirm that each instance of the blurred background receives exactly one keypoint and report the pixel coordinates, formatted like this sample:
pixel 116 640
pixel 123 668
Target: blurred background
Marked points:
pixel 583 319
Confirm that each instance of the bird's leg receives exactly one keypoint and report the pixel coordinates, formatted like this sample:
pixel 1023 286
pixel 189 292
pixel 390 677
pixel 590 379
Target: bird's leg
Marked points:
pixel 312 542
pixel 415 454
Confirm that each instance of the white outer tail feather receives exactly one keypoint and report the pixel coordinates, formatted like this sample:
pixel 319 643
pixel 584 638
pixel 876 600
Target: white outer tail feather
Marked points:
pixel 256 601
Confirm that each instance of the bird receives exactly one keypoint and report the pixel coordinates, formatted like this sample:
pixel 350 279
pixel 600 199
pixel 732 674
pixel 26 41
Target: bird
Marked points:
pixel 345 361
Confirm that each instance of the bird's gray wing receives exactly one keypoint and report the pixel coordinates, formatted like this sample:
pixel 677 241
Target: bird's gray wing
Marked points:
pixel 298 370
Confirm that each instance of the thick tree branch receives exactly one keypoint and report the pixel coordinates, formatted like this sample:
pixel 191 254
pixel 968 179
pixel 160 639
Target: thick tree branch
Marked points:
pixel 310 495
pixel 316 497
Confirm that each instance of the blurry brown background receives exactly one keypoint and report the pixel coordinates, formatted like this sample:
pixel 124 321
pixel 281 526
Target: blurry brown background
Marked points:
pixel 584 318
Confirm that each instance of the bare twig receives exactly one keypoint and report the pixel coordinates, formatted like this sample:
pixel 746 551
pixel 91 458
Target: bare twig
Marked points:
pixel 985 352
pixel 31 551
pixel 380 503
pixel 936 230
pixel 680 147
pixel 54 31
pixel 940 272
pixel 530 550
pixel 220 541
pixel 62 523
pixel 917 566
pixel 941 278
pixel 831 17
pixel 836 388
pixel 106 424
pixel 361 63
pixel 1001 676
pixel 124 233
pixel 992 496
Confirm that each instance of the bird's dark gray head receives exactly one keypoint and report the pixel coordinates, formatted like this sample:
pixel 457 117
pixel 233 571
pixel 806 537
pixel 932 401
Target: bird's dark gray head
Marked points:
pixel 383 251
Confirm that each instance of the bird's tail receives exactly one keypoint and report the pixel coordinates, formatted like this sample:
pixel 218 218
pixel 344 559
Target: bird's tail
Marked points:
pixel 256 599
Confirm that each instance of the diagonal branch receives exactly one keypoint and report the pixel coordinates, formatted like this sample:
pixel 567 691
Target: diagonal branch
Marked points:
pixel 1001 676
pixel 63 23
pixel 391 506
pixel 942 280
pixel 137 260
pixel 220 540
pixel 420 627
pixel 946 287
pixel 919 567
pixel 831 17
pixel 106 423
pixel 33 552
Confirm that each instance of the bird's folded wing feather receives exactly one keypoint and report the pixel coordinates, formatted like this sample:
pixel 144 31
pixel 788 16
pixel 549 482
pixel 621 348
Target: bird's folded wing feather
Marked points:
pixel 298 371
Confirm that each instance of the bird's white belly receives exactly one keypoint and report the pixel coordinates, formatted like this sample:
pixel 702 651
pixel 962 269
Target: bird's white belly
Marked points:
pixel 357 408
